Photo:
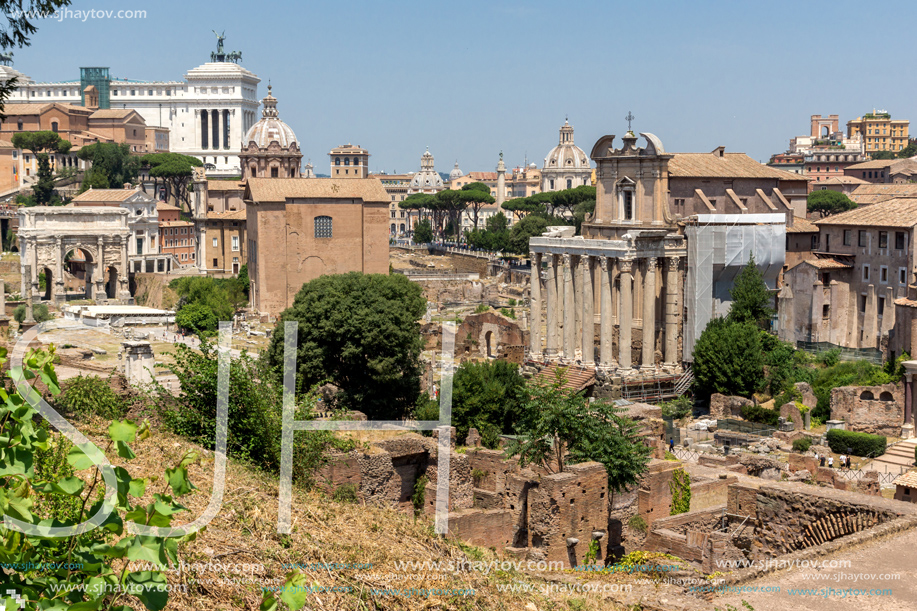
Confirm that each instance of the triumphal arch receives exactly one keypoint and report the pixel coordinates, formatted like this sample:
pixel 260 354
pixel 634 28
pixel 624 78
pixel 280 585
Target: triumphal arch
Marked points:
pixel 85 243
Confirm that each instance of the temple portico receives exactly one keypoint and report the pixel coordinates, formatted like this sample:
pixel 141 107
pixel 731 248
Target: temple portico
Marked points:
pixel 618 287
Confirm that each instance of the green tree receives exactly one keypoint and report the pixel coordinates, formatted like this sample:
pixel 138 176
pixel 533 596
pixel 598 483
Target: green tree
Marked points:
pixel 558 426
pixel 522 206
pixel 531 226
pixel 244 279
pixel 360 332
pixel 751 298
pixel 196 317
pixel 174 171
pixel 728 359
pixel 909 151
pixel 495 235
pixel 113 165
pixel 423 232
pixel 883 155
pixel 42 143
pixel 827 202
pixel 476 196
pixel 486 396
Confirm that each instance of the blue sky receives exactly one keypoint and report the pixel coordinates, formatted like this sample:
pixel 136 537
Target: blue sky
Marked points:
pixel 469 79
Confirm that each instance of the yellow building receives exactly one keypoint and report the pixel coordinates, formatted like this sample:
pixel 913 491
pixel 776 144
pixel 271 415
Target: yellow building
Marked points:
pixel 879 131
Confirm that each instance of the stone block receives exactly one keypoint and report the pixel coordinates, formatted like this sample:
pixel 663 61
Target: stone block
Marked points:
pixel 723 406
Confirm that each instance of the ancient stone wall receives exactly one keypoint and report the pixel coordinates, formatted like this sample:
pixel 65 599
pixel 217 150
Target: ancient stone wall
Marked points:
pixel 710 493
pixel 487 334
pixel 722 406
pixel 869 409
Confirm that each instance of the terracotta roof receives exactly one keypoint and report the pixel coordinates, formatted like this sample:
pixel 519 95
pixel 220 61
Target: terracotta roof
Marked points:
pixel 908 480
pixel 36 109
pixel 175 223
pixel 827 264
pixel 480 176
pixel 801 225
pixel 844 180
pixel 730 165
pixel 875 194
pixel 878 164
pixel 281 189
pixel 6 144
pixel 893 213
pixel 225 185
pixel 229 215
pixel 163 206
pixel 577 378
pixel 106 195
pixel 113 113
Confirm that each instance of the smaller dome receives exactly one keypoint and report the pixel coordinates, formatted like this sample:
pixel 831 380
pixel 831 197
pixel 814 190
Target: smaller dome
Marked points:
pixel 270 128
pixel 456 172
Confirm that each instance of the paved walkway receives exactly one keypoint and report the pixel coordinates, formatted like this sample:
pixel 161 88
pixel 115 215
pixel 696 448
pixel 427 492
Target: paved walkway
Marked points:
pixel 887 564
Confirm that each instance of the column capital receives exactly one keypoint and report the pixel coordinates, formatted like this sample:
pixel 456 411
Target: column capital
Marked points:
pixel 568 259
pixel 671 262
pixel 627 265
pixel 533 255
pixel 603 261
pixel 651 262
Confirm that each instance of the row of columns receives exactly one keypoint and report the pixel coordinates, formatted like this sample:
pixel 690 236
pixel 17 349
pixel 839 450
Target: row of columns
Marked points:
pixel 213 118
pixel 570 287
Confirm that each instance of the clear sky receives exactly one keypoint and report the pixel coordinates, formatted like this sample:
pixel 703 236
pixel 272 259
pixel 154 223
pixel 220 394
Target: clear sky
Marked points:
pixel 469 79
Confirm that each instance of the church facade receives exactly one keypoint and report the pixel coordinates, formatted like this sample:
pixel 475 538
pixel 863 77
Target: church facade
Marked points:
pixel 656 259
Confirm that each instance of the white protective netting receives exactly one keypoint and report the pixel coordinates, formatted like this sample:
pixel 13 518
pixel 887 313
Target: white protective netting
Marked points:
pixel 718 248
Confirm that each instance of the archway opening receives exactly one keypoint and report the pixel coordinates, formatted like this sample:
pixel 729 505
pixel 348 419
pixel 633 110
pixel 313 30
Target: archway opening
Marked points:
pixel 488 337
pixel 111 288
pixel 825 131
pixel 79 269
pixel 45 283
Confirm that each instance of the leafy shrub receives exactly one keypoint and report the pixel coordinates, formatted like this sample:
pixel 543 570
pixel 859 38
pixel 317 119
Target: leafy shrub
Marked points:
pixel 91 395
pixel 345 493
pixel 486 396
pixel 419 496
pixel 858 444
pixel 755 413
pixel 255 408
pixel 678 407
pixel 802 444
pixel 482 307
pixel 790 395
pixel 638 523
pixel 830 358
pixel 680 487
pixel 508 312
pixel 39 312
pixel 40 486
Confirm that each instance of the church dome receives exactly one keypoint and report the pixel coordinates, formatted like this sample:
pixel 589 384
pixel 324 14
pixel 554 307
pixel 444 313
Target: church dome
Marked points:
pixel 456 172
pixel 270 128
pixel 427 177
pixel 566 155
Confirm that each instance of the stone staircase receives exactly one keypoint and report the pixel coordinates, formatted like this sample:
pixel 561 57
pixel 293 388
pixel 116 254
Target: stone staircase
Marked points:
pixel 898 458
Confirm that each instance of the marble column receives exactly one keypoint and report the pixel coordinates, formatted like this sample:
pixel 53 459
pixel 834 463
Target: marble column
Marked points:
pixel 606 324
pixel 649 315
pixel 908 398
pixel 575 271
pixel 626 314
pixel 535 305
pixel 122 275
pixel 99 269
pixel 551 315
pixel 34 273
pixel 671 311
pixel 588 300
pixel 569 309
pixel 559 310
pixel 58 291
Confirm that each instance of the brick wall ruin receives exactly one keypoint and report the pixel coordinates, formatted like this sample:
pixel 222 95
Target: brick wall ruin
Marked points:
pixel 654 498
pixel 493 502
pixel 869 409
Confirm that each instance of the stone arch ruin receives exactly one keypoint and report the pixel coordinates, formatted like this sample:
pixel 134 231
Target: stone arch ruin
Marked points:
pixel 47 234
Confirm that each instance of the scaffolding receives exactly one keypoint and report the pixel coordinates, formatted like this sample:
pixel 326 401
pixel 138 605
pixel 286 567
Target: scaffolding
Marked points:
pixel 100 78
